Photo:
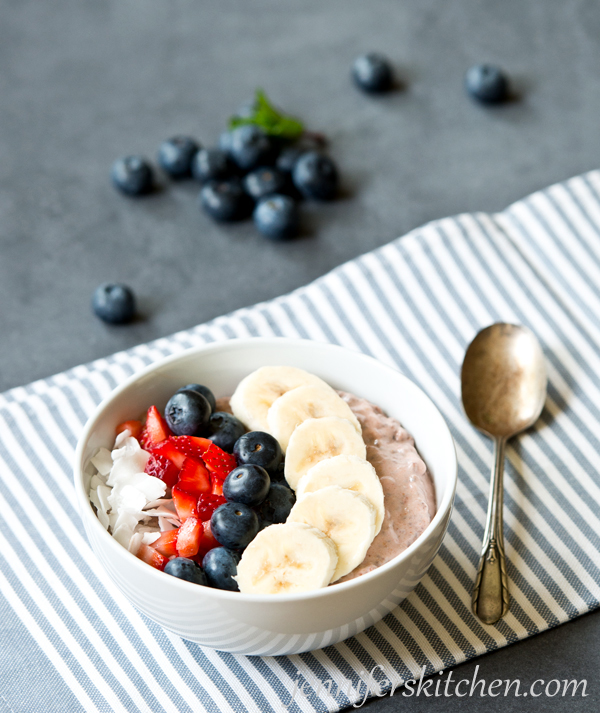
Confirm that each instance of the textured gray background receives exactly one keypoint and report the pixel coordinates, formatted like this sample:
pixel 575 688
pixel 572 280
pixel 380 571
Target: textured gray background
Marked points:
pixel 82 83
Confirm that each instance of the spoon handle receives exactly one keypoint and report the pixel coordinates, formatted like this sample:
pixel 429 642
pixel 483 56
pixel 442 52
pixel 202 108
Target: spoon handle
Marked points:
pixel 491 599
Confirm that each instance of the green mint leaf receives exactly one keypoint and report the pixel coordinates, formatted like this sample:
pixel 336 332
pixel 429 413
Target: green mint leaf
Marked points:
pixel 271 120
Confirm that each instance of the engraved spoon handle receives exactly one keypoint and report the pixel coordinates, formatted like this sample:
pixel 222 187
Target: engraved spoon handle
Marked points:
pixel 491 599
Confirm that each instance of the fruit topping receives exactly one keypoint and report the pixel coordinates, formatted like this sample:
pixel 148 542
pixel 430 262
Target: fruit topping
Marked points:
pixel 224 430
pixel 155 431
pixel 150 556
pixel 218 462
pixel 134 428
pixel 163 468
pixel 205 391
pixel 168 450
pixel 166 544
pixel 187 569
pixel 187 412
pixel 258 448
pixel 185 503
pixel 113 303
pixel 248 484
pixel 194 478
pixel 188 537
pixel 276 507
pixel 234 525
pixel 207 504
pixel 220 566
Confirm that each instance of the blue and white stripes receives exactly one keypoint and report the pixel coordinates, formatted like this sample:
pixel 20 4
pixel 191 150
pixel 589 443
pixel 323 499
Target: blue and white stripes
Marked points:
pixel 414 304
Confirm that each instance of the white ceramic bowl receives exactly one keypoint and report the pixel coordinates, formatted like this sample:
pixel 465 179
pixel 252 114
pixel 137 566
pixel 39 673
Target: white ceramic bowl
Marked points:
pixel 284 623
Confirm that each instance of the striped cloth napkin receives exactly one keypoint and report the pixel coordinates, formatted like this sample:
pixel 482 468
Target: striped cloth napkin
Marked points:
pixel 414 304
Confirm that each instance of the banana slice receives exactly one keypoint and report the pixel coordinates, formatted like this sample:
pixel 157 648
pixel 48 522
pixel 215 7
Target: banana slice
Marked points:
pixel 350 472
pixel 257 391
pixel 301 403
pixel 345 516
pixel 282 559
pixel 317 439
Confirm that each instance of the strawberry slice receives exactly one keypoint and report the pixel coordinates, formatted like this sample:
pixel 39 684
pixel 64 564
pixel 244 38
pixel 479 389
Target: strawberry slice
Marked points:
pixel 190 446
pixel 134 428
pixel 163 468
pixel 188 538
pixel 207 542
pixel 168 450
pixel 150 556
pixel 207 504
pixel 218 462
pixel 166 544
pixel 194 478
pixel 217 486
pixel 155 430
pixel 185 504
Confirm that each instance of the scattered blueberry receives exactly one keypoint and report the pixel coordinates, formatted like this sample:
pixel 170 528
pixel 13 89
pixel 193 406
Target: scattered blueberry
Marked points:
pixel 316 176
pixel 248 484
pixel 224 430
pixel 278 475
pixel 234 525
pixel 187 413
pixel 175 156
pixel 132 175
pixel 225 142
pixel 288 157
pixel 264 182
pixel 250 147
pixel 220 566
pixel 277 217
pixel 258 448
pixel 113 303
pixel 187 569
pixel 487 83
pixel 211 165
pixel 225 201
pixel 372 73
pixel 205 391
pixel 277 505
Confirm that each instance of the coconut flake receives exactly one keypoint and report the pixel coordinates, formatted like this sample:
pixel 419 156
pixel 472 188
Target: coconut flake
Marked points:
pixel 102 461
pixel 149 537
pixel 135 542
pixel 104 519
pixel 103 493
pixel 165 525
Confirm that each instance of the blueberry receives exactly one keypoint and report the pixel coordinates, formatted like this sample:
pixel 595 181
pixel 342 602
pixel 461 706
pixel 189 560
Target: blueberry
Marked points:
pixel 187 413
pixel 288 157
pixel 234 525
pixel 250 147
pixel 220 566
pixel 487 84
pixel 277 217
pixel 113 303
pixel 211 165
pixel 205 391
pixel 132 175
pixel 277 505
pixel 175 156
pixel 372 73
pixel 315 176
pixel 224 430
pixel 278 475
pixel 225 142
pixel 187 569
pixel 264 182
pixel 247 484
pixel 259 448
pixel 225 201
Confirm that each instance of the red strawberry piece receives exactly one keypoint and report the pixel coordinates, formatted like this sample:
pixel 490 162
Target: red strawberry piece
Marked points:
pixel 168 450
pixel 150 556
pixel 163 468
pixel 188 446
pixel 166 544
pixel 194 478
pixel 217 486
pixel 218 462
pixel 207 541
pixel 185 503
pixel 207 504
pixel 134 428
pixel 155 430
pixel 188 537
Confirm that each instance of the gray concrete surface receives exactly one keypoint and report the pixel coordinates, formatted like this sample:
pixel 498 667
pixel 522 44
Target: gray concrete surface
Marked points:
pixel 83 83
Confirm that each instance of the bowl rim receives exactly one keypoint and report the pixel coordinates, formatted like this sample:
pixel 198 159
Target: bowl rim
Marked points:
pixel 444 508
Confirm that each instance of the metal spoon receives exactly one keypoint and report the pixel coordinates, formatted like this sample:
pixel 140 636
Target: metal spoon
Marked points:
pixel 503 392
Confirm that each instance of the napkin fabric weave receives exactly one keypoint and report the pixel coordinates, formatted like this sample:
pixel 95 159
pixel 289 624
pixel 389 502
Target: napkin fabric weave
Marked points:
pixel 71 642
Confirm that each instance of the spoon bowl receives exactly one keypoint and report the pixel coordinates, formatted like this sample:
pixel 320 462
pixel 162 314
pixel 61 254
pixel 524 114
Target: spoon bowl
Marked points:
pixel 503 384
